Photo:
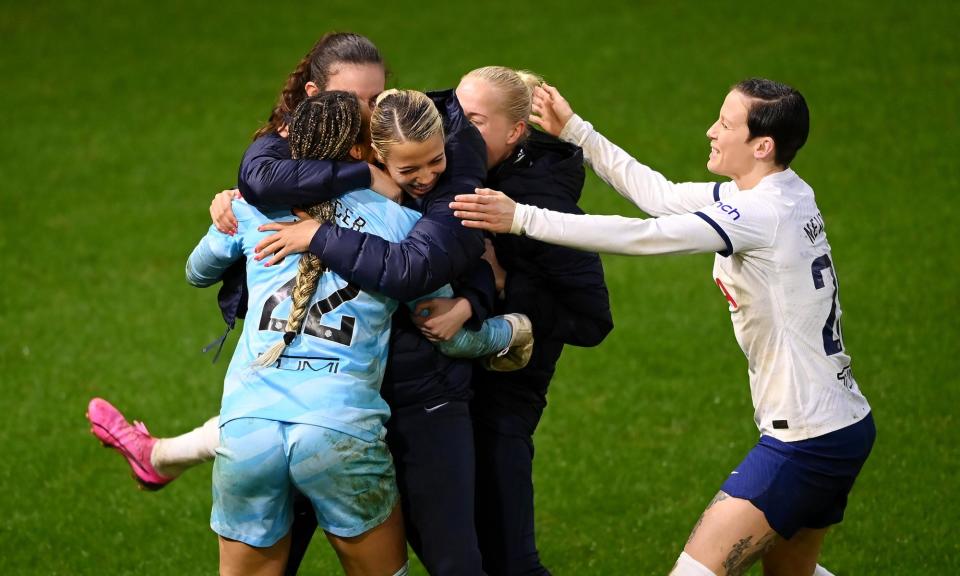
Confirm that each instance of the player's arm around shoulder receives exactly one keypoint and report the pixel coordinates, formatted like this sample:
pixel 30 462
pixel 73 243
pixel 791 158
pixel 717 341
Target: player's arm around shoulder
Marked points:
pixel 268 175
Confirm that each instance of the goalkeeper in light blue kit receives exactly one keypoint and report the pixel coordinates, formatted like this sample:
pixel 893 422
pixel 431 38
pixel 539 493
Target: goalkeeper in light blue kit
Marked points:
pixel 301 405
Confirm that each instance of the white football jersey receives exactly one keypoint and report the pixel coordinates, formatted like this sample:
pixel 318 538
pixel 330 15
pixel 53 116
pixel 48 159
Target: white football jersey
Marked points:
pixel 778 276
pixel 773 266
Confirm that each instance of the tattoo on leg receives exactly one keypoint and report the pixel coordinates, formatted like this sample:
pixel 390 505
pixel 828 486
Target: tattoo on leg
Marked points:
pixel 734 564
pixel 745 553
pixel 721 495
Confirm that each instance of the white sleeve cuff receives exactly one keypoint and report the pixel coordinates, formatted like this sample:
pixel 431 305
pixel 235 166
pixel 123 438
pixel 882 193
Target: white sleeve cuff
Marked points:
pixel 520 215
pixel 576 130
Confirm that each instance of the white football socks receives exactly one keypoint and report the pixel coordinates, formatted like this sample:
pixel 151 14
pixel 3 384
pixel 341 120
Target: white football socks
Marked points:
pixel 687 566
pixel 173 456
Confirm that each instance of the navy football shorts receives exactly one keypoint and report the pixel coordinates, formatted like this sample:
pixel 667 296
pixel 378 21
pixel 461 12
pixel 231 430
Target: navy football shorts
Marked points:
pixel 803 484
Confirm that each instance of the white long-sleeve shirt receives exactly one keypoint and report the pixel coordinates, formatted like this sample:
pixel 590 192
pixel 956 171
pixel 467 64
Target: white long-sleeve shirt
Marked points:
pixel 773 266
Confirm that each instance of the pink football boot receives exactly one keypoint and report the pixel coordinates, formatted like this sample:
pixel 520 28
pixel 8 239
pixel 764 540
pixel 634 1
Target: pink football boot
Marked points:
pixel 134 442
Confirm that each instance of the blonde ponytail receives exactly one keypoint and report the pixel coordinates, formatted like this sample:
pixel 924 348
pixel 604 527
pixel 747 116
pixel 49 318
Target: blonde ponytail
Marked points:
pixel 514 89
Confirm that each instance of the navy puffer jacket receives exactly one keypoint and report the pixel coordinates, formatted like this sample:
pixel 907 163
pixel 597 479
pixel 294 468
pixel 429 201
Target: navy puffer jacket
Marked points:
pixel 561 289
pixel 439 249
pixel 269 177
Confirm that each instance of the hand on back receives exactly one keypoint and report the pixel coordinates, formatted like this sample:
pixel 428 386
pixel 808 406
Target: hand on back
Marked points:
pixel 289 238
pixel 222 213
pixel 486 210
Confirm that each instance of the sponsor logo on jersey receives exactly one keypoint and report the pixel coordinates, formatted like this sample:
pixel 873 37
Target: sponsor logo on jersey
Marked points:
pixel 814 228
pixel 728 209
pixel 845 377
pixel 328 365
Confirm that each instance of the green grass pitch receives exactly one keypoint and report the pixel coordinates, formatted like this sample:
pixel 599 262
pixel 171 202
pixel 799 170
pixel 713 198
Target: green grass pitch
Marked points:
pixel 121 121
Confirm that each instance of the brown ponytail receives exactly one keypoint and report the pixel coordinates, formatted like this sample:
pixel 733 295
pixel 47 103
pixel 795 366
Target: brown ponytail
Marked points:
pixel 317 66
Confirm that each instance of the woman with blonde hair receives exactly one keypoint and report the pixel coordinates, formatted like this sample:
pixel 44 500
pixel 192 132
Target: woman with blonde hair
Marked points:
pixel 431 432
pixel 561 290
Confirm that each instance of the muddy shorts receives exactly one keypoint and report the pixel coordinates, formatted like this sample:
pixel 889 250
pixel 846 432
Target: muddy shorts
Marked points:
pixel 260 463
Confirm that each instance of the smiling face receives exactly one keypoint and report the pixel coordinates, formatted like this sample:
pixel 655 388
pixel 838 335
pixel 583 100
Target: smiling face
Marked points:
pixel 732 152
pixel 484 108
pixel 416 166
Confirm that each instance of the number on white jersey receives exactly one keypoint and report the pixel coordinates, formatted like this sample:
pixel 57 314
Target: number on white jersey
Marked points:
pixel 831 345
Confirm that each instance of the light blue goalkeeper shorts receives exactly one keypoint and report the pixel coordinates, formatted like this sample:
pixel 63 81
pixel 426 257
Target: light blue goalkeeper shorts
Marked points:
pixel 260 463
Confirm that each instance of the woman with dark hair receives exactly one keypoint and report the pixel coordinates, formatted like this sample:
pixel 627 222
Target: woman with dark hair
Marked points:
pixel 268 176
pixel 318 432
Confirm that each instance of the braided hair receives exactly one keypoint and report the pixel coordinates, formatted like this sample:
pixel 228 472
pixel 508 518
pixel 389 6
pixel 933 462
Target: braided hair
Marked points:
pixel 324 127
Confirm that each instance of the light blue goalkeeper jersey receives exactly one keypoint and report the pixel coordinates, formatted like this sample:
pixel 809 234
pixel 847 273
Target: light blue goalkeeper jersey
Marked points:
pixel 330 375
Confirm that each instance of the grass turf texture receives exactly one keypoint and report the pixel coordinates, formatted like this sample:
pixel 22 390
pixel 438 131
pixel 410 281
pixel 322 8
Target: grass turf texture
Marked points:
pixel 123 121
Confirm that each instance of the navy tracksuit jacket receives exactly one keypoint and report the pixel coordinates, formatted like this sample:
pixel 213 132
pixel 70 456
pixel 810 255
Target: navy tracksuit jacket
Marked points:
pixel 561 289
